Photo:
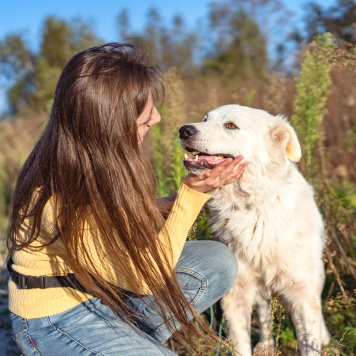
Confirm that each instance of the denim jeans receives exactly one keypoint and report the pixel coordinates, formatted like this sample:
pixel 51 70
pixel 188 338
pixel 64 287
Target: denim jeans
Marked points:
pixel 205 271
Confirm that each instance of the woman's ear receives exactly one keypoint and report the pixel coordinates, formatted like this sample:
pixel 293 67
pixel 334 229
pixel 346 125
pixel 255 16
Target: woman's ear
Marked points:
pixel 284 135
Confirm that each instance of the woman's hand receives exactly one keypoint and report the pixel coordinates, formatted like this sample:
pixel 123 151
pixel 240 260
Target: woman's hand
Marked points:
pixel 165 204
pixel 224 173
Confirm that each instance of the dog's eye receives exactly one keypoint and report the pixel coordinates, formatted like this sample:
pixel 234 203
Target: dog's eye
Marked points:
pixel 205 118
pixel 230 126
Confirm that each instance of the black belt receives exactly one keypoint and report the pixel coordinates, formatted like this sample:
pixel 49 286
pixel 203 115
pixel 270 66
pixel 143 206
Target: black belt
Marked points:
pixel 42 282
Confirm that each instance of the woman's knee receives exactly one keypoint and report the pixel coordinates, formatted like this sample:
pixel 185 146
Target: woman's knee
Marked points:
pixel 224 263
pixel 212 259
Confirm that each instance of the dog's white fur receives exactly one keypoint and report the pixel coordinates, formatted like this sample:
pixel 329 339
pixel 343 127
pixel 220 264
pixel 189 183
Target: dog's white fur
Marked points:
pixel 270 220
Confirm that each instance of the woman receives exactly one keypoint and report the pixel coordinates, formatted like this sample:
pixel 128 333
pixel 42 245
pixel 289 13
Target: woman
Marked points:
pixel 84 209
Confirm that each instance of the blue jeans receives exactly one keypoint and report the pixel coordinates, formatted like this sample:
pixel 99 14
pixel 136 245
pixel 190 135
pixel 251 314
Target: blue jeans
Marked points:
pixel 205 271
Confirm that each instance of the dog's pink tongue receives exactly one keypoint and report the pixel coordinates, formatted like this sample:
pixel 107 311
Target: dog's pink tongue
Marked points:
pixel 211 159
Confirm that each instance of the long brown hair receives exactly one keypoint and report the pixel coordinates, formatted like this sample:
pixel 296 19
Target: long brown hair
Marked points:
pixel 88 159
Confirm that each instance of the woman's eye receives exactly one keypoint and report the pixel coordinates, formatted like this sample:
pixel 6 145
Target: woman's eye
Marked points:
pixel 231 126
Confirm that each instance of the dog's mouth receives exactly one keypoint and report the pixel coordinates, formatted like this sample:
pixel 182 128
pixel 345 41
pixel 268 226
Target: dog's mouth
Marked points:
pixel 203 160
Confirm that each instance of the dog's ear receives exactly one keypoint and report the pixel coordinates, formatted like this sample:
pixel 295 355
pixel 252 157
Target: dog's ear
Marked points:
pixel 284 135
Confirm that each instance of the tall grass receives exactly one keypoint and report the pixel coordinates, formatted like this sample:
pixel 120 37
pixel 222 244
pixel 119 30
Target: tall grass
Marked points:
pixel 167 154
pixel 16 141
pixel 339 295
pixel 313 88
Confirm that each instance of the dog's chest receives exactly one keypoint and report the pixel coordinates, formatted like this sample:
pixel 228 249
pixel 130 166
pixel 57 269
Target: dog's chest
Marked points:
pixel 254 233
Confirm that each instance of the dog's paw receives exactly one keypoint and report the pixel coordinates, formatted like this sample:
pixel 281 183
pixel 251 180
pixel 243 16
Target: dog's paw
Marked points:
pixel 265 348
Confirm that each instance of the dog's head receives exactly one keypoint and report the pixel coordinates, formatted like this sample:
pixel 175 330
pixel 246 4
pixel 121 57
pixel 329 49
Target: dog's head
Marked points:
pixel 233 130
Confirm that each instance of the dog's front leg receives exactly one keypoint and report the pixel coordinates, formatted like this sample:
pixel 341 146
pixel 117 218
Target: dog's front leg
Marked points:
pixel 237 306
pixel 307 319
pixel 265 318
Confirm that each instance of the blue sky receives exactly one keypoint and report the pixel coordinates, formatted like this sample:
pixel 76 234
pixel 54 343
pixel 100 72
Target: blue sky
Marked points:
pixel 27 16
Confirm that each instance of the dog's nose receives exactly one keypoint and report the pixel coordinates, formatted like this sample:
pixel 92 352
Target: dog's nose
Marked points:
pixel 186 131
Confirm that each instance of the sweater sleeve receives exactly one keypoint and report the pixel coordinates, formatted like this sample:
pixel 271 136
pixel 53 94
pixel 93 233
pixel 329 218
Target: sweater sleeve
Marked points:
pixel 175 230
pixel 185 210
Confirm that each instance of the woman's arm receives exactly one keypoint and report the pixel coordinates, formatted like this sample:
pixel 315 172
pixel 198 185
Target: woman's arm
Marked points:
pixel 186 207
pixel 165 204
pixel 225 173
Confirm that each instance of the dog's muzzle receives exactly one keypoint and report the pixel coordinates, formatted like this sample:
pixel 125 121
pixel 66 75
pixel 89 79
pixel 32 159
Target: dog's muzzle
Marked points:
pixel 200 161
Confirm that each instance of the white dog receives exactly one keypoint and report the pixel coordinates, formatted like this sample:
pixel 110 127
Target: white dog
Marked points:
pixel 268 218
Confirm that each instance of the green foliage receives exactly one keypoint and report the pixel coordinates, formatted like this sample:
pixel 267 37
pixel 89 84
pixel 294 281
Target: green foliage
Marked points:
pixel 249 99
pixel 56 39
pixel 313 88
pixel 3 197
pixel 334 198
pixel 287 337
pixel 234 41
pixel 239 48
pixel 169 45
pixel 325 40
pixel 16 140
pixel 46 78
pixel 158 160
pixel 167 153
pixel 201 229
pixel 14 55
pixel 338 19
pixel 34 75
pixel 350 141
pixel 17 65
pixel 340 313
pixel 177 169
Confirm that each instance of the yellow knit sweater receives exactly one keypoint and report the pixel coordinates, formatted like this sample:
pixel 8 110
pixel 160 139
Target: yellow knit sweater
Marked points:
pixel 51 260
